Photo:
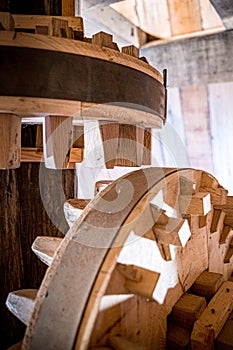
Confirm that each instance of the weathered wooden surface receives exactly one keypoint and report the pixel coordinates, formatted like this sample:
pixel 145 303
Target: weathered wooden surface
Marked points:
pixel 21 304
pixel 225 11
pixel 23 218
pixel 194 66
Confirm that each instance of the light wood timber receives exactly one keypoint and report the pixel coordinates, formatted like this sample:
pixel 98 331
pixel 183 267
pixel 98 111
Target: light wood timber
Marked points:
pixel 44 30
pixel 217 219
pixel 130 145
pixel 121 343
pixel 187 310
pixel 10 135
pixel 201 71
pixel 104 39
pixel 57 132
pixel 207 284
pixel 73 208
pixel 45 248
pixel 30 21
pixel 21 303
pixel 184 16
pixel 208 326
pixel 224 9
pixel 58 27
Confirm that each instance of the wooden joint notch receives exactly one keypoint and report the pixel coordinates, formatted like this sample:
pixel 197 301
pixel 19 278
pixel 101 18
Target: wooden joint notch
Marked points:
pixel 138 280
pixel 229 252
pixel 217 220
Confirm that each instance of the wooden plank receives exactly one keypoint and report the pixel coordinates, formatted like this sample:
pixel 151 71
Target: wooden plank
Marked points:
pixel 207 284
pixel 57 138
pixel 45 248
pixel 151 16
pixel 10 135
pixel 224 340
pixel 197 126
pixel 110 136
pixel 122 343
pixel 184 16
pixel 30 22
pixel 209 16
pixel 187 310
pixel 147 150
pixel 42 30
pixel 21 304
pixel 29 154
pixel 195 67
pixel 225 11
pixel 208 326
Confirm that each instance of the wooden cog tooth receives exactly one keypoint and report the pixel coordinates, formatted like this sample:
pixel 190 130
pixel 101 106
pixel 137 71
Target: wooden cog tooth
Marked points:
pixel 45 248
pixel 21 303
pixel 217 220
pixel 197 204
pixel 73 208
pixel 207 284
pixel 224 233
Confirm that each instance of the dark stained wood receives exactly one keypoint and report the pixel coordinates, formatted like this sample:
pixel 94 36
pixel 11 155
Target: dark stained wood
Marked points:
pixel 113 83
pixel 22 219
pixel 225 11
pixel 38 7
pixel 195 61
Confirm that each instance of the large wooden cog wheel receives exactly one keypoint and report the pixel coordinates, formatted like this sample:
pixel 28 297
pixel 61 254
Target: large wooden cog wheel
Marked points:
pixel 138 246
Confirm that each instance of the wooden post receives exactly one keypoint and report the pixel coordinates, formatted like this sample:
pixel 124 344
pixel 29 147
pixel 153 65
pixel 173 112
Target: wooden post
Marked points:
pixel 10 135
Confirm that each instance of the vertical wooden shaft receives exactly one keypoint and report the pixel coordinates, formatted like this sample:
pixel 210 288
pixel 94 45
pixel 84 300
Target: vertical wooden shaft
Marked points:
pixel 68 7
pixel 10 136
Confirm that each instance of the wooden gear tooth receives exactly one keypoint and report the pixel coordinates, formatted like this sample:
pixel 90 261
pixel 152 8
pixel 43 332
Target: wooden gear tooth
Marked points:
pixel 45 248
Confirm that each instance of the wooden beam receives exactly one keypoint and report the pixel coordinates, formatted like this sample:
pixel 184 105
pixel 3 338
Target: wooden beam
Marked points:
pixel 57 138
pixel 194 66
pixel 225 10
pixel 10 135
pixel 207 284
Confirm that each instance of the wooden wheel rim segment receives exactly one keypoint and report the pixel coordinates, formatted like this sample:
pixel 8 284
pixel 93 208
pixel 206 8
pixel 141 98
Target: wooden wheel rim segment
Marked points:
pixel 68 300
pixel 41 73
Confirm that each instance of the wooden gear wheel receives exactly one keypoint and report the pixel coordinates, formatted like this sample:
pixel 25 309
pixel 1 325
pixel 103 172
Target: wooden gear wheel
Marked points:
pixel 147 265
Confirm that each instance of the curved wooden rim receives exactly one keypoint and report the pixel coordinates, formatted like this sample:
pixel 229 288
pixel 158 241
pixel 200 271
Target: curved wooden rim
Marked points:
pixel 46 42
pixel 51 304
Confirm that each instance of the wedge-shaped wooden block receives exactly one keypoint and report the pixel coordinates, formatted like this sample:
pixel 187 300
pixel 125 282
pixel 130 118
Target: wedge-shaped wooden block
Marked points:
pixel 175 232
pixel 10 135
pixel 197 204
pixel 186 186
pixel 73 208
pixel 21 303
pixel 207 284
pixel 177 338
pixel 45 248
pixel 210 323
pixel 187 310
pixel 122 343
pixel 224 340
pixel 159 216
pixel 57 138
pixel 138 280
pixel 229 252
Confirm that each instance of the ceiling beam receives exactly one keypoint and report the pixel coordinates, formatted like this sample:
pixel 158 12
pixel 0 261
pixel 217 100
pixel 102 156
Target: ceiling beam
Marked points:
pixel 225 10
pixel 195 61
